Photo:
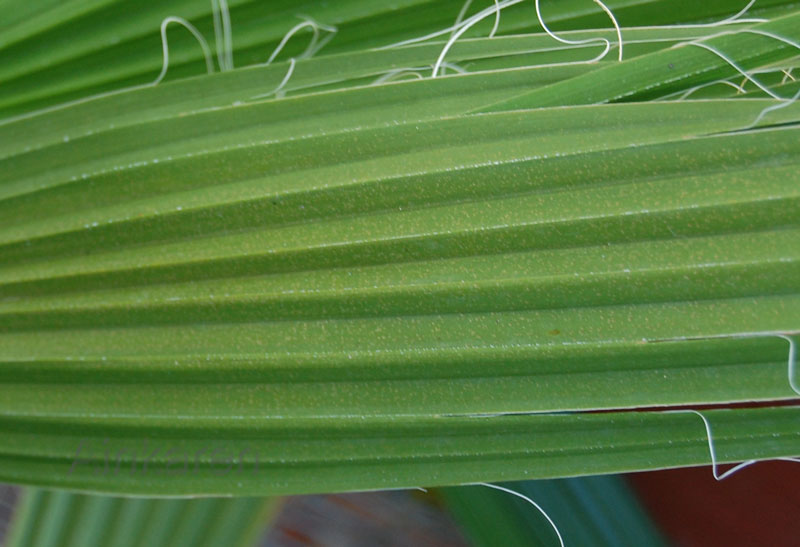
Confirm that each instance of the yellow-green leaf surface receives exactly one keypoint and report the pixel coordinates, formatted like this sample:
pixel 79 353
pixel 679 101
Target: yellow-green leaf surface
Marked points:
pixel 537 60
pixel 331 290
pixel 51 52
pixel 203 292
pixel 252 455
pixel 725 55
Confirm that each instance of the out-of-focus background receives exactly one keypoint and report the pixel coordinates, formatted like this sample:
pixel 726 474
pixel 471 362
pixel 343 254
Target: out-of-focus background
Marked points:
pixel 684 507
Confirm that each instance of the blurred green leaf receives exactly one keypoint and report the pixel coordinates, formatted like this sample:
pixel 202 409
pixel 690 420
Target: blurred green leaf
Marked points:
pixel 592 511
pixel 57 518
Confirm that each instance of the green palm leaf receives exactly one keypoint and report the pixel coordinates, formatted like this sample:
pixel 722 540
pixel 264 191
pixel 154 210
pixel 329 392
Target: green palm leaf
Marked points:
pixel 204 293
